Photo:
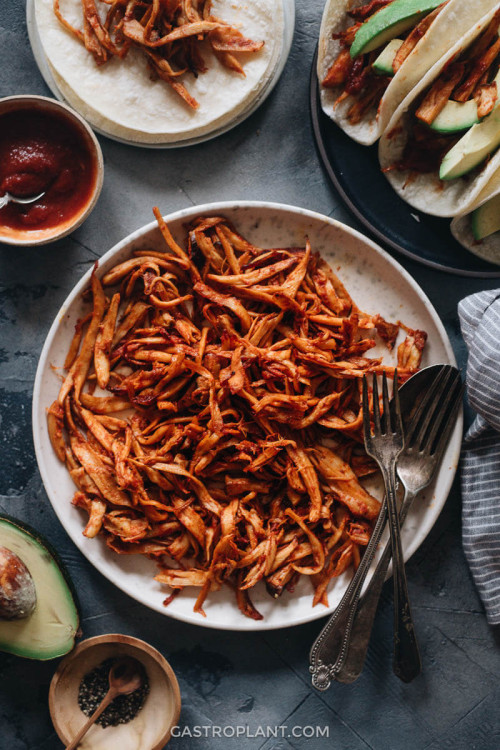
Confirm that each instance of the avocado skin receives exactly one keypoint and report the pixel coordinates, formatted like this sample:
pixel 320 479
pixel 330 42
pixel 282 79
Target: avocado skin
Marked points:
pixel 388 22
pixel 46 545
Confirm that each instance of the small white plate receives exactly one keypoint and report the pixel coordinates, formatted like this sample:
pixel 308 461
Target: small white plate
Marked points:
pixel 376 282
pixel 253 104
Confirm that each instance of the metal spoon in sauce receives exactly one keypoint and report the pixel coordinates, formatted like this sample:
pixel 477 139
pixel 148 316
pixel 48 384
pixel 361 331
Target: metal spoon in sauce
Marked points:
pixel 125 677
pixel 8 198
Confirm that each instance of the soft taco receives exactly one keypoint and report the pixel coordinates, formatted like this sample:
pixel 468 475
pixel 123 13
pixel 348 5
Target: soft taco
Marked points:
pixel 479 230
pixel 441 147
pixel 372 53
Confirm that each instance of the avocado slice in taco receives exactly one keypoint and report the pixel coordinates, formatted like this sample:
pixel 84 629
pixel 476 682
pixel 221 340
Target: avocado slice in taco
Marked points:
pixel 439 169
pixel 473 148
pixel 390 21
pixel 485 220
pixel 479 230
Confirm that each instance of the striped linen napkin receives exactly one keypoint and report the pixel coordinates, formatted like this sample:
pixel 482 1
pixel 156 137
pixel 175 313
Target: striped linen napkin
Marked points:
pixel 480 322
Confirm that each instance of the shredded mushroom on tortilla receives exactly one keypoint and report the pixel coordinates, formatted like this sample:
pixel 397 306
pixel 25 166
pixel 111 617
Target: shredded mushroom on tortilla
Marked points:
pixel 169 33
pixel 225 440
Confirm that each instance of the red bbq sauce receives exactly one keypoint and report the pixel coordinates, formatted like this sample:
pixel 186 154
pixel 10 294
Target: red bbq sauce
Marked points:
pixel 43 151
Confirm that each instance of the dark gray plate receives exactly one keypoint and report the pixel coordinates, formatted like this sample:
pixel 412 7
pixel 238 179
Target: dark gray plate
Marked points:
pixel 355 172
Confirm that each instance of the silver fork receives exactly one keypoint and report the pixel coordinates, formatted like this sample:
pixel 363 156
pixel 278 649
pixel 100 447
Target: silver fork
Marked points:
pixel 384 446
pixel 428 429
pixel 339 650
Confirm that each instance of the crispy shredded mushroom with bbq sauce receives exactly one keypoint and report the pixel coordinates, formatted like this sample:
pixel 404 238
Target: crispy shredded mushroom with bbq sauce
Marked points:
pixel 172 35
pixel 210 415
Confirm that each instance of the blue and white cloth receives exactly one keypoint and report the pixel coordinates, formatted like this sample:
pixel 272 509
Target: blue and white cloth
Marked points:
pixel 480 474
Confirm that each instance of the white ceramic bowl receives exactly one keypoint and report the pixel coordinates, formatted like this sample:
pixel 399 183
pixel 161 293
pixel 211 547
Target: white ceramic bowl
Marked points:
pixel 376 282
pixel 43 104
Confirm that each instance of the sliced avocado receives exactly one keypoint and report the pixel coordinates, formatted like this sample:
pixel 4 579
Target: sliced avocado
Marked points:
pixel 50 630
pixel 456 116
pixel 485 220
pixel 472 148
pixel 383 63
pixel 388 23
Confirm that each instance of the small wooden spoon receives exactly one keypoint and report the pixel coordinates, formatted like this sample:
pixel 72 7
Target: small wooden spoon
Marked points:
pixel 125 676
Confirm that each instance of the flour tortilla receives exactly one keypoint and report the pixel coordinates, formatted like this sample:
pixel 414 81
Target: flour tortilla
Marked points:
pixel 456 18
pixel 461 227
pixel 121 99
pixel 426 192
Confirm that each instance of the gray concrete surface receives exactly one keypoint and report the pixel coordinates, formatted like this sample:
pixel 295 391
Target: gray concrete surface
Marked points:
pixel 231 679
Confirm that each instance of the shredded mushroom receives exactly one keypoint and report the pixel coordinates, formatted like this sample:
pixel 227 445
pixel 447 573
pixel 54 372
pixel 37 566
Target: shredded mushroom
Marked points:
pixel 172 34
pixel 224 441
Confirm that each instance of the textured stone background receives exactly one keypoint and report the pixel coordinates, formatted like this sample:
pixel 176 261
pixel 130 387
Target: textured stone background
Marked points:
pixel 230 678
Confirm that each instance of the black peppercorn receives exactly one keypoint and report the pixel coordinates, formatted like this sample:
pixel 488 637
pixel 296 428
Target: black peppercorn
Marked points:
pixel 95 685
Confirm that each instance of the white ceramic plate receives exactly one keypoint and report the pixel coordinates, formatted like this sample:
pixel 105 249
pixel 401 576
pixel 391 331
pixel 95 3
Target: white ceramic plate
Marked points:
pixel 377 283
pixel 252 104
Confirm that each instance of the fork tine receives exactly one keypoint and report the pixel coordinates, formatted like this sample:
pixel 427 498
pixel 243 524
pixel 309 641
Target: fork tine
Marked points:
pixel 423 407
pixel 432 410
pixel 398 419
pixel 429 439
pixel 386 416
pixel 448 421
pixel 366 412
pixel 376 406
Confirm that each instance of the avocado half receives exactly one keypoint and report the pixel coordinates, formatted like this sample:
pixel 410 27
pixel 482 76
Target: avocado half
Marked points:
pixel 51 628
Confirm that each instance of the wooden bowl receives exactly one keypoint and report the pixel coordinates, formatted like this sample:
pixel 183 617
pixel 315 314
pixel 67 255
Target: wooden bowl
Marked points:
pixel 149 730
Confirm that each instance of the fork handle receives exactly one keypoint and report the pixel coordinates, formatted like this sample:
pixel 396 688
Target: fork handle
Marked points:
pixel 362 623
pixel 406 661
pixel 330 648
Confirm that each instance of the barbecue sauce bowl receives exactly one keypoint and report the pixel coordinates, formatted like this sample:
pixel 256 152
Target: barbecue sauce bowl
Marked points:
pixel 46 146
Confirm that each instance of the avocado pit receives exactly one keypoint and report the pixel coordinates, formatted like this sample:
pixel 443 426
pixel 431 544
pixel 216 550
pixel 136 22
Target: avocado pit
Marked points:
pixel 17 588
